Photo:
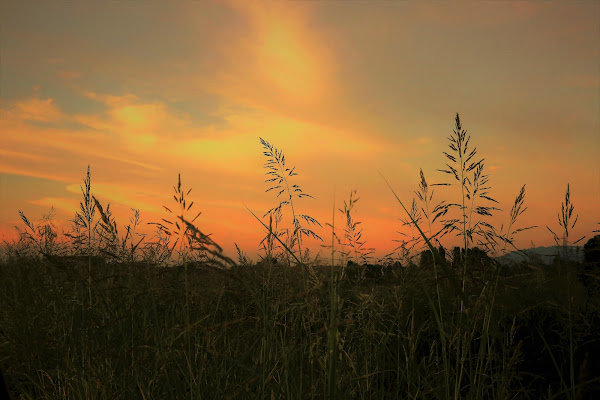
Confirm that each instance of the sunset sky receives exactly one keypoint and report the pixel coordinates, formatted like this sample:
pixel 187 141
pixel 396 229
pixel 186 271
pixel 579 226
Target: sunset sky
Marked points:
pixel 142 91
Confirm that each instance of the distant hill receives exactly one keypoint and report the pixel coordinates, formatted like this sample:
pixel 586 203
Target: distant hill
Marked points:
pixel 542 254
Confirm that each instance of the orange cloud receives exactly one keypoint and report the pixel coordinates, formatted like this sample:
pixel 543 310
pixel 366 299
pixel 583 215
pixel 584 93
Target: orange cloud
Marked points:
pixel 144 118
pixel 67 148
pixel 125 195
pixel 285 65
pixel 96 122
pixel 18 154
pixel 287 60
pixel 36 109
pixel 138 124
pixel 66 206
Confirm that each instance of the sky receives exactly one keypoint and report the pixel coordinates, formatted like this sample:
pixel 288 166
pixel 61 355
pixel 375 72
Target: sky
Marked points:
pixel 144 91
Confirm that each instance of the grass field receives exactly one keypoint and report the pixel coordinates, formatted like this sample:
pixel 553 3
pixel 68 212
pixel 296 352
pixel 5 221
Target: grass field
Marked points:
pixel 109 315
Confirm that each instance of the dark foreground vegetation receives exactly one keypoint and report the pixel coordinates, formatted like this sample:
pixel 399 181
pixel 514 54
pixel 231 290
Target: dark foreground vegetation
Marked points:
pixel 259 332
pixel 111 317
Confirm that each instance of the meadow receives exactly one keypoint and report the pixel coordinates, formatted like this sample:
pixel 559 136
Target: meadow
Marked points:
pixel 105 314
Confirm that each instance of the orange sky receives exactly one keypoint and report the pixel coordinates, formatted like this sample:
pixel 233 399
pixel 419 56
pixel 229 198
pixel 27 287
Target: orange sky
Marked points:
pixel 144 91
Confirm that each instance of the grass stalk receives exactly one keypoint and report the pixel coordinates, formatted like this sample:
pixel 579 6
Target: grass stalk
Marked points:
pixel 332 331
pixel 279 176
pixel 442 262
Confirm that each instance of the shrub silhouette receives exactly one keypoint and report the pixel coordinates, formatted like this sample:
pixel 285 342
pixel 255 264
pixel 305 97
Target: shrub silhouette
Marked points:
pixel 426 259
pixel 357 272
pixel 591 250
pixel 591 267
pixel 476 257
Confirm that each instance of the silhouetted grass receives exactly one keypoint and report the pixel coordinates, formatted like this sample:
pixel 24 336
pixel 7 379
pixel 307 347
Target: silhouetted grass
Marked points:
pixel 173 317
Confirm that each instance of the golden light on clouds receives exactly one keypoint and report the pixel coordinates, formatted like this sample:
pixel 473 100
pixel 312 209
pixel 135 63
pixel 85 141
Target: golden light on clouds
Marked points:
pixel 287 61
pixel 141 118
pixel 135 117
pixel 67 206
pixel 278 62
pixel 343 88
pixel 286 52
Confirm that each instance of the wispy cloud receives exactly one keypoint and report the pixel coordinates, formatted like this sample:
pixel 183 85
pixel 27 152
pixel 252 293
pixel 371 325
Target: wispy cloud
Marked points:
pixel 63 205
pixel 21 155
pixel 36 109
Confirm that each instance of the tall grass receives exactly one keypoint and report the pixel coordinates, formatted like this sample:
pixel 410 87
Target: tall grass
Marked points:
pixel 84 220
pixel 352 235
pixel 278 179
pixel 471 187
pixel 174 317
